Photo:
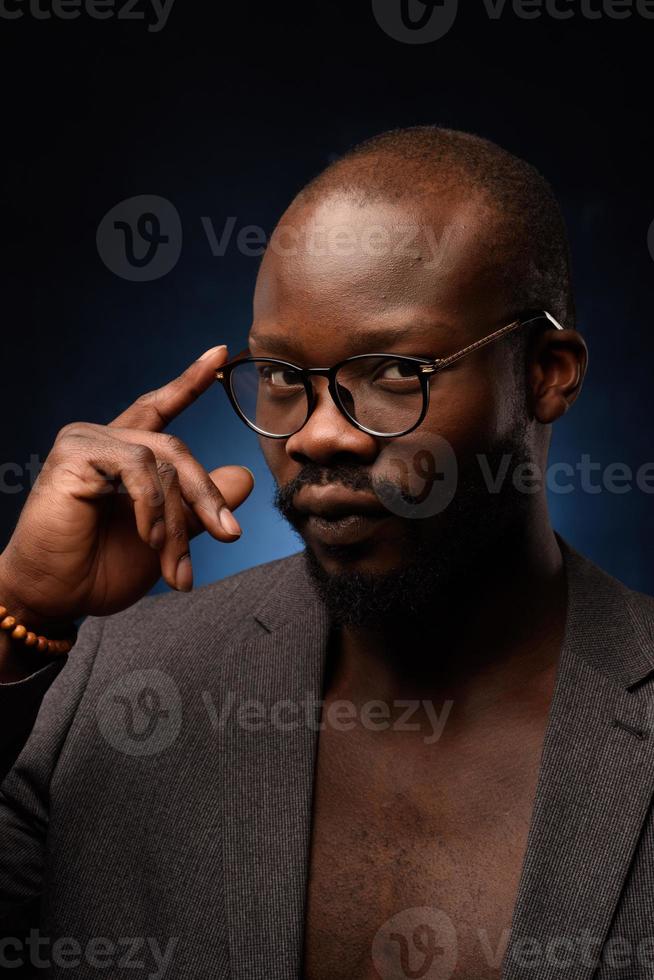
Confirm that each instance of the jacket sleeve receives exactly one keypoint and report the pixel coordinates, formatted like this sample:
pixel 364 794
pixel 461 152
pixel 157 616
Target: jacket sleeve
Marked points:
pixel 24 793
pixel 19 705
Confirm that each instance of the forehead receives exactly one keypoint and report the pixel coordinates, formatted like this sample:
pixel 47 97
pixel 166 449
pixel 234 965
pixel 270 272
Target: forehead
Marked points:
pixel 342 268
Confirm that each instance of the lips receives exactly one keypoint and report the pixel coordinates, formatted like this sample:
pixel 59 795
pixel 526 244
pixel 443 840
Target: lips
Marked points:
pixel 338 516
pixel 332 503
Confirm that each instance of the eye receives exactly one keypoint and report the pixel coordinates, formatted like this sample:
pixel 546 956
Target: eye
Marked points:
pixel 398 371
pixel 280 377
pixel 398 376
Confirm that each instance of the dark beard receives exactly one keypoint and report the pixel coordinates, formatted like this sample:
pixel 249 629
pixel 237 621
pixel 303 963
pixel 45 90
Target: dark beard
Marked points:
pixel 439 555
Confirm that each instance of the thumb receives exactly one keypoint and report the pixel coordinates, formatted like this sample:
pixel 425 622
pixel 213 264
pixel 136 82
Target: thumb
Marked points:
pixel 234 482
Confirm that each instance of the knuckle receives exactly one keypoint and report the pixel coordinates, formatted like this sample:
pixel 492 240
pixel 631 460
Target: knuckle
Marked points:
pixel 149 401
pixel 205 489
pixel 147 397
pixel 196 487
pixel 141 455
pixel 167 470
pixel 71 429
pixel 177 533
pixel 176 384
pixel 152 495
pixel 174 444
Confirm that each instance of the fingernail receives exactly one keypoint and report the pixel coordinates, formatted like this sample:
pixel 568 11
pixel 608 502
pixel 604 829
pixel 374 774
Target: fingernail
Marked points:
pixel 249 471
pixel 212 351
pixel 158 535
pixel 184 574
pixel 229 522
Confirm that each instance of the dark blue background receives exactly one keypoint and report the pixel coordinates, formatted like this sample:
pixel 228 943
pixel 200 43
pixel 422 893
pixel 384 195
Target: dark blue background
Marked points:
pixel 227 113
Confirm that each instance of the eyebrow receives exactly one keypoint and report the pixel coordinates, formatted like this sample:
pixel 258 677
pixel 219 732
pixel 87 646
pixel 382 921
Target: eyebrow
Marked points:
pixel 378 338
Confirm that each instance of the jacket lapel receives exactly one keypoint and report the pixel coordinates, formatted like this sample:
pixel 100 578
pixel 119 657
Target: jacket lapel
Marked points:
pixel 274 681
pixel 594 786
pixel 593 792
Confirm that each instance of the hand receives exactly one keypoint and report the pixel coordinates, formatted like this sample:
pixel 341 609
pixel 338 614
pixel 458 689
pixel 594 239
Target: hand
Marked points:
pixel 114 507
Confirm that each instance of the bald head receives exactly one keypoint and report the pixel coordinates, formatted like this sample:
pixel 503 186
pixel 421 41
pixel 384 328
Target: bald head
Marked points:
pixel 525 232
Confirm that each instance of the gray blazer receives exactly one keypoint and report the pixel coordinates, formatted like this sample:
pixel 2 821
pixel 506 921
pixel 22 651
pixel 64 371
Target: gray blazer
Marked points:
pixel 163 796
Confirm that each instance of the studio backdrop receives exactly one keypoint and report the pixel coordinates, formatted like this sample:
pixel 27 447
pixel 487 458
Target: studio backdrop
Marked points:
pixel 149 148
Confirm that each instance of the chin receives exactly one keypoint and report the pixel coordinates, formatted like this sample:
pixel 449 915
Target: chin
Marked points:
pixel 374 559
pixel 372 587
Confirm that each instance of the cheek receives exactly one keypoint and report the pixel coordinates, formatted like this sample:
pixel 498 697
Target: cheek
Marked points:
pixel 464 420
pixel 466 412
pixel 278 462
pixel 473 409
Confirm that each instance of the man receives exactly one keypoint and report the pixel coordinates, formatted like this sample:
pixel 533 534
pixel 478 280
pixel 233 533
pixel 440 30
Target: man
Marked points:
pixel 419 748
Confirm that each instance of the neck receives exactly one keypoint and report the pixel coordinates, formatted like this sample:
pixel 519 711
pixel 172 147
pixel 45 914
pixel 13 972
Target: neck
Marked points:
pixel 488 640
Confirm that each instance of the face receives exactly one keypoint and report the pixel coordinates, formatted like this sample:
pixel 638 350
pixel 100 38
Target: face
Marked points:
pixel 340 278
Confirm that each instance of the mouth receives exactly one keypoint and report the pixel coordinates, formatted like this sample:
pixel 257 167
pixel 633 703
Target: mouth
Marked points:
pixel 346 529
pixel 332 501
pixel 336 516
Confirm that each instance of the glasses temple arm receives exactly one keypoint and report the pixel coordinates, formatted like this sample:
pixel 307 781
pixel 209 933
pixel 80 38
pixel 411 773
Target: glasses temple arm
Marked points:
pixel 509 328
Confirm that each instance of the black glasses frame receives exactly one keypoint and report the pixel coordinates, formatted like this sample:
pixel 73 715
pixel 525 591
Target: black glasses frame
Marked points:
pixel 424 367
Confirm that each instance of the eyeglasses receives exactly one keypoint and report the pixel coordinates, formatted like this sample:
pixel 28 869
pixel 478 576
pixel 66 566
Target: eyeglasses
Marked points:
pixel 385 395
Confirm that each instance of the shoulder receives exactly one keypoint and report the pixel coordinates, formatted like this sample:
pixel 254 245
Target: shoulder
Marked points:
pixel 611 624
pixel 159 625
pixel 225 604
pixel 184 634
pixel 641 607
pixel 587 576
pixel 604 584
pixel 174 643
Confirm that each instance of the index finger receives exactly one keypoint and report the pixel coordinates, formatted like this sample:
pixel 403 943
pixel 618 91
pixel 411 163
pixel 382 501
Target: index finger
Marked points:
pixel 153 410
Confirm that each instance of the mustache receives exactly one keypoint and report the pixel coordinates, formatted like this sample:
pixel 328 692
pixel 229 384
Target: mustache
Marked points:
pixel 348 475
pixel 312 474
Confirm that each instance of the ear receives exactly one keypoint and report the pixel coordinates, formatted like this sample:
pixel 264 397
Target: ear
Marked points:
pixel 556 368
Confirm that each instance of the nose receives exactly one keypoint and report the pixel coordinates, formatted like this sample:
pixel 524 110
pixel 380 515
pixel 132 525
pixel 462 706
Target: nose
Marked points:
pixel 328 434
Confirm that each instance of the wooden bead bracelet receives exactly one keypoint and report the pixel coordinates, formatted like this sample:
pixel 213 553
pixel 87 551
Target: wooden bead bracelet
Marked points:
pixel 21 633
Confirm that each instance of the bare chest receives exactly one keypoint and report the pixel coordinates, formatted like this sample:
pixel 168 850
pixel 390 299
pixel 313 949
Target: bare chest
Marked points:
pixel 415 862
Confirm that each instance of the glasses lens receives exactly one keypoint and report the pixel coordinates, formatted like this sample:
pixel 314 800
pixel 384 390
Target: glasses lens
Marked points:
pixel 381 393
pixel 270 396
